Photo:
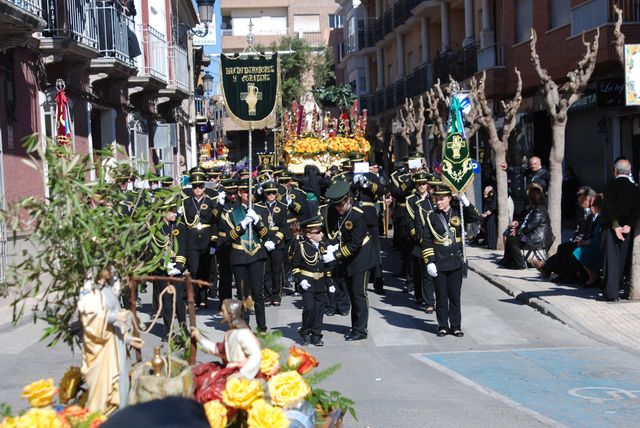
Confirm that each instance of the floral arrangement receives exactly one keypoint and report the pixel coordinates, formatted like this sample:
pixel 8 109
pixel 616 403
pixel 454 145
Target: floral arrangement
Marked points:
pixel 327 142
pixel 280 387
pixel 45 413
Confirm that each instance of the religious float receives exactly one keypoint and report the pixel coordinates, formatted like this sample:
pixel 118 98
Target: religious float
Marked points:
pixel 312 138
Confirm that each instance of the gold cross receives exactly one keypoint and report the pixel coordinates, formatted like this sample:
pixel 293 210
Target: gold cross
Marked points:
pixel 251 97
pixel 456 144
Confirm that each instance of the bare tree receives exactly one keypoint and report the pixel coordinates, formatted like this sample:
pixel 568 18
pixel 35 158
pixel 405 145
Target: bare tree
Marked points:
pixel 634 292
pixel 412 119
pixel 558 100
pixel 499 145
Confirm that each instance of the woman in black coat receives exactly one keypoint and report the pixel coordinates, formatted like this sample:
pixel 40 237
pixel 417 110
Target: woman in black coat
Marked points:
pixel 490 218
pixel 532 232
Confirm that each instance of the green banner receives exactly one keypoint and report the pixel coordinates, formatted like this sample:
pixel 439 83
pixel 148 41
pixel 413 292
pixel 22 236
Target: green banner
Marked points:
pixel 457 166
pixel 250 86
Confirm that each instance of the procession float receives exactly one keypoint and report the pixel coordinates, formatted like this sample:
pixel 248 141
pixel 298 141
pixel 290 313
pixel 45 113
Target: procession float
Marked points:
pixel 313 138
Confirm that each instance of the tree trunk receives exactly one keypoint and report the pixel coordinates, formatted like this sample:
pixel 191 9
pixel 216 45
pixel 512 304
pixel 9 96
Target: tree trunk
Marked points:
pixel 634 292
pixel 502 191
pixel 555 186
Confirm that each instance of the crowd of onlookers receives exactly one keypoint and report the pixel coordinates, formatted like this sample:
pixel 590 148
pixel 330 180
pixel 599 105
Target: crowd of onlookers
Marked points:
pixel 598 253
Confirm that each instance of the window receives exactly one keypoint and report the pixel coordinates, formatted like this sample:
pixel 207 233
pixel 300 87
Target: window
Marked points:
pixel 351 35
pixel 524 20
pixel 306 23
pixel 335 21
pixel 559 10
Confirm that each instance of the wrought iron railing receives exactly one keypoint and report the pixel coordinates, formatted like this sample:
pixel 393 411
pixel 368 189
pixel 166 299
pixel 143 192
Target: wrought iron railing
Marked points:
pixel 460 64
pixel 180 68
pixel 401 13
pixel 71 19
pixel 389 101
pixel 630 10
pixel 400 91
pixel 491 56
pixel 155 52
pixel 387 22
pixel 113 32
pixel 366 33
pixel 31 6
pixel 380 95
pixel 378 31
pixel 420 81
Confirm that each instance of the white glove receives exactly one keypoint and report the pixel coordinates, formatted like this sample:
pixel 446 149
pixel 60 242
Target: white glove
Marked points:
pixel 289 200
pixel 432 270
pixel 332 289
pixel 328 257
pixel 269 245
pixel 221 197
pixel 253 215
pixel 305 284
pixel 465 201
pixel 171 266
pixel 212 251
pixel 356 178
pixel 246 222
pixel 174 272
pixel 332 248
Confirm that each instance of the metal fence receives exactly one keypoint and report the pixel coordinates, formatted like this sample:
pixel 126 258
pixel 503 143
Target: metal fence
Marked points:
pixel 113 32
pixel 157 55
pixel 180 63
pixel 32 6
pixel 71 19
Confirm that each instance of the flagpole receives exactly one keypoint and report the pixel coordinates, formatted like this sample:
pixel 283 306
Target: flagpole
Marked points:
pixel 251 180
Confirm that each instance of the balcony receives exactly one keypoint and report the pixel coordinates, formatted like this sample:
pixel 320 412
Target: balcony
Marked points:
pixel 153 71
pixel 71 28
pixel 389 92
pixel 179 69
pixel 401 12
pixel 314 39
pixel 18 20
pixel 378 30
pixel 490 57
pixel 380 95
pixel 460 64
pixel 387 21
pixel 400 91
pixel 366 33
pixel 420 81
pixel 113 42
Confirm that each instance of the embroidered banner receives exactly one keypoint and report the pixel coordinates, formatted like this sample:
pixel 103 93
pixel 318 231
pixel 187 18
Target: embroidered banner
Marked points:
pixel 457 165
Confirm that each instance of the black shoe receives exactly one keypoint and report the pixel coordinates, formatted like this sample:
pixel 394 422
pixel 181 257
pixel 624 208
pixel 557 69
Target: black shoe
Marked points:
pixel 305 339
pixel 349 334
pixel 355 336
pixel 276 302
pixel 262 330
pixel 329 313
pixel 443 332
pixel 317 341
pixel 606 299
pixel 343 313
pixel 267 303
pixel 420 301
pixel 457 332
pixel 379 291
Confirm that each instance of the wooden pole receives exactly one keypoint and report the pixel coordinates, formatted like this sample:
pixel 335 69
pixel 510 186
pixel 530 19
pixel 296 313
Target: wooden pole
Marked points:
pixel 133 286
pixel 191 309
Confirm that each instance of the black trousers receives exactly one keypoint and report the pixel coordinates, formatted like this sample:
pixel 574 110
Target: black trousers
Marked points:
pixel 376 271
pixel 406 245
pixel 313 300
pixel 616 253
pixel 423 283
pixel 167 305
pixel 213 275
pixel 199 263
pixel 564 263
pixel 249 282
pixel 273 275
pixel 225 275
pixel 448 286
pixel 338 302
pixel 357 287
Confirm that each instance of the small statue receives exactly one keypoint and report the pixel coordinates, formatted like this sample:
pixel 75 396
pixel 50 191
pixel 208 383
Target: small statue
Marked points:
pixel 311 112
pixel 106 333
pixel 240 353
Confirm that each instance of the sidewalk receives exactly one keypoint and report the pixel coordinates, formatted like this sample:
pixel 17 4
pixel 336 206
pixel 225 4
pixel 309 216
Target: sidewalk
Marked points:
pixel 616 323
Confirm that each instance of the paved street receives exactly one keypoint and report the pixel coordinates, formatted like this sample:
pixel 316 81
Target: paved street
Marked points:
pixel 514 367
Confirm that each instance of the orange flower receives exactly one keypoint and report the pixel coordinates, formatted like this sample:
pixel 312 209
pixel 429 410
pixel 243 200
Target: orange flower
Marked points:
pixel 301 360
pixel 75 412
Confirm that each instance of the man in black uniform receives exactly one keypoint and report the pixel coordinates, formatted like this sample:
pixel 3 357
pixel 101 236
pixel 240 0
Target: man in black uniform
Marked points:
pixel 171 240
pixel 223 249
pixel 352 251
pixel 419 201
pixel 400 187
pixel 621 211
pixel 275 214
pixel 442 253
pixel 247 231
pixel 199 218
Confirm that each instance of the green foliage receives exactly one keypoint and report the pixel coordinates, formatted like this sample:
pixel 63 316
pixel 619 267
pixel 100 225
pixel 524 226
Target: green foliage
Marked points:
pixel 5 411
pixel 331 400
pixel 320 375
pixel 342 96
pixel 180 344
pixel 295 67
pixel 270 340
pixel 79 230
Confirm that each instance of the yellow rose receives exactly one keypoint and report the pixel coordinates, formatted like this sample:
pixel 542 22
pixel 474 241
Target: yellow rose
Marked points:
pixel 240 393
pixel 8 422
pixel 288 388
pixel 40 418
pixel 270 364
pixel 216 414
pixel 264 415
pixel 39 393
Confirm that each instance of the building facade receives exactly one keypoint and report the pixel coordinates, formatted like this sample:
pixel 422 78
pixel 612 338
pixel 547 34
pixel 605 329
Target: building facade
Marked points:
pixel 396 49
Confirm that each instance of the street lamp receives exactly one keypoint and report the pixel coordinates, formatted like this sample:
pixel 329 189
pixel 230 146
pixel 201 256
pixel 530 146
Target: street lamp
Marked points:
pixel 205 12
pixel 207 82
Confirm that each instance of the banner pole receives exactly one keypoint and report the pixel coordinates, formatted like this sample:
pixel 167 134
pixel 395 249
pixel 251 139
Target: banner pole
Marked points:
pixel 251 180
pixel 464 230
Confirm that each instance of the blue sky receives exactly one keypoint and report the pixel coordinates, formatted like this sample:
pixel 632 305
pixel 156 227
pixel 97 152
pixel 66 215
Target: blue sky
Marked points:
pixel 214 68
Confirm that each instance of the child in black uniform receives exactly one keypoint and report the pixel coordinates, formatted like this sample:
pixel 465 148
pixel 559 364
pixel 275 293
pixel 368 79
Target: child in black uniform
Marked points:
pixel 313 277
